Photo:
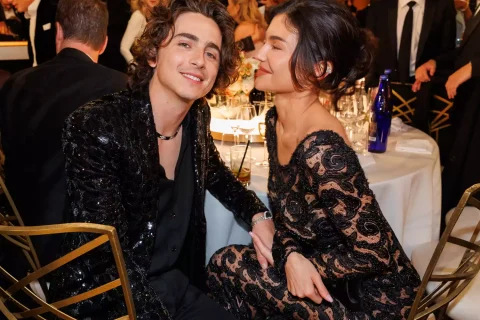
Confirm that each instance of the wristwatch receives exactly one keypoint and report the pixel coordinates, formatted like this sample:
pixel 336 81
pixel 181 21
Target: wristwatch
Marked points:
pixel 267 215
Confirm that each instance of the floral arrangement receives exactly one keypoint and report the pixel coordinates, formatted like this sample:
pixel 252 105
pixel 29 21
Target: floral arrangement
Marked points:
pixel 246 68
pixel 244 83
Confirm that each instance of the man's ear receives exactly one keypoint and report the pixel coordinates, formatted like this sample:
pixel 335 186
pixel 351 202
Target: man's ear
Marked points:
pixel 322 69
pixel 104 46
pixel 59 37
pixel 153 62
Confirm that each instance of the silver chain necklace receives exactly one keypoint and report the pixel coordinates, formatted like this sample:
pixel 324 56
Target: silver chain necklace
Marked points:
pixel 162 137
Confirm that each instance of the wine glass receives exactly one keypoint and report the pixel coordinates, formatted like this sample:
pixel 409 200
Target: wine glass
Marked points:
pixel 229 108
pixel 262 129
pixel 246 119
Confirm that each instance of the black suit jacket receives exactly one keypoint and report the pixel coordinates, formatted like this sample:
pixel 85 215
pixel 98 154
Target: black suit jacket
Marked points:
pixel 113 171
pixel 437 35
pixel 34 104
pixel 44 32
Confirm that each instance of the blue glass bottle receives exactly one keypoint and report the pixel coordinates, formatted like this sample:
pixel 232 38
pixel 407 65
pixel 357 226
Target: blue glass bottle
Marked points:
pixel 387 72
pixel 381 119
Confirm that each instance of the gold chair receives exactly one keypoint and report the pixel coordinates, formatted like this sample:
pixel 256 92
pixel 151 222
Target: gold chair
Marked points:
pixel 453 269
pixel 23 242
pixel 106 234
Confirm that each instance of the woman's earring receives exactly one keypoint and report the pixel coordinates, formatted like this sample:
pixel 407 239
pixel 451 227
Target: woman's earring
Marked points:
pixel 329 69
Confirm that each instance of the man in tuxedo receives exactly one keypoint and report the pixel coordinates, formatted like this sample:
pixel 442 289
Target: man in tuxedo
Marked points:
pixel 409 33
pixel 461 170
pixel 40 27
pixel 34 104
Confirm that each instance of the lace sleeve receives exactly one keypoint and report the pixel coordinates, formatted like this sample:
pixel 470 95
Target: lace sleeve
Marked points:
pixel 283 245
pixel 334 174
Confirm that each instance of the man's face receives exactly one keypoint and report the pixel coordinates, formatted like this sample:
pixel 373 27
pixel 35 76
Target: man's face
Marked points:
pixel 7 4
pixel 188 66
pixel 21 5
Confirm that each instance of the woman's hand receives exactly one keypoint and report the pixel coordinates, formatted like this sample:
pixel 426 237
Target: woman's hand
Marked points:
pixel 303 280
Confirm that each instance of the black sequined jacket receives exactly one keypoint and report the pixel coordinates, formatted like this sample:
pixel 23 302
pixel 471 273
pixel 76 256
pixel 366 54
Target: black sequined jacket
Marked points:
pixel 112 165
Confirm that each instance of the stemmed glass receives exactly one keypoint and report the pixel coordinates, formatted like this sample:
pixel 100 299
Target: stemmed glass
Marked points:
pixel 229 108
pixel 246 119
pixel 262 129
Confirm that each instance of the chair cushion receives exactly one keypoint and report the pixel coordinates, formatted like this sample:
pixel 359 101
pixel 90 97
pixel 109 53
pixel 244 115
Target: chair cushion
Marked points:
pixel 466 224
pixel 466 305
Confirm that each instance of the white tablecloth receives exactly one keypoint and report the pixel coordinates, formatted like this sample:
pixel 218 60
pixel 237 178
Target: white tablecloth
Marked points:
pixel 407 187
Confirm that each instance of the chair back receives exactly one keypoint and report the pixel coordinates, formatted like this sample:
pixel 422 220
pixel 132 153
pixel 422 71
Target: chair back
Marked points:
pixel 12 308
pixel 452 284
pixel 7 219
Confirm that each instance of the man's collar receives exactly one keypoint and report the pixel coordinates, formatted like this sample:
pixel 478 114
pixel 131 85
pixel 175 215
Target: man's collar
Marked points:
pixel 403 3
pixel 32 9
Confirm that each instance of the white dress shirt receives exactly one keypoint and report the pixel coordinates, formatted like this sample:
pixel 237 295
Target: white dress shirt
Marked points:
pixel 9 13
pixel 418 11
pixel 32 15
pixel 135 28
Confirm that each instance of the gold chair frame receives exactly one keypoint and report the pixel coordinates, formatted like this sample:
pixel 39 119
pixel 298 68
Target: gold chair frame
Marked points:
pixel 106 234
pixel 451 285
pixel 24 242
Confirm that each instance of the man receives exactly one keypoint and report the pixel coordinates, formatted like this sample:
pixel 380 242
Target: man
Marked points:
pixel 40 16
pixel 34 104
pixel 409 34
pixel 6 10
pixel 142 161
pixel 461 170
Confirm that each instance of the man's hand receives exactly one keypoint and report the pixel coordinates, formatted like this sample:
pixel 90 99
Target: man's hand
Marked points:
pixel 425 71
pixel 262 235
pixel 303 280
pixel 416 86
pixel 457 78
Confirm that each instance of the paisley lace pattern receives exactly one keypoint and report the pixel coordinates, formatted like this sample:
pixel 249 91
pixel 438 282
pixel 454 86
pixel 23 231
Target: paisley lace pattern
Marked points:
pixel 324 209
pixel 112 166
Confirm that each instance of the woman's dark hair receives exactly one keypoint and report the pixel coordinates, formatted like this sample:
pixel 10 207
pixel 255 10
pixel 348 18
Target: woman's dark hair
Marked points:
pixel 158 29
pixel 327 32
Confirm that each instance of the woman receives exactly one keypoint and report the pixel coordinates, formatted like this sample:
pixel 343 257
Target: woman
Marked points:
pixel 250 22
pixel 333 255
pixel 141 13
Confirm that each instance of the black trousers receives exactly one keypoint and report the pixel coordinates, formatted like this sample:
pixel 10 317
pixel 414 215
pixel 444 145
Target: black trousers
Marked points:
pixel 184 301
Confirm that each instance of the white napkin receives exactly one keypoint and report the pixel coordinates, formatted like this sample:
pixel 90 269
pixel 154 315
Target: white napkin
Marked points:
pixel 422 146
pixel 398 125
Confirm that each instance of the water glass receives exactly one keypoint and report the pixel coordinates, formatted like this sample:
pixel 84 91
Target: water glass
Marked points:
pixel 240 163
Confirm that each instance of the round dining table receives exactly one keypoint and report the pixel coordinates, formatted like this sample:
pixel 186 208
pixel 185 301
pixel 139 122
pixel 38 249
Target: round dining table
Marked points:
pixel 407 186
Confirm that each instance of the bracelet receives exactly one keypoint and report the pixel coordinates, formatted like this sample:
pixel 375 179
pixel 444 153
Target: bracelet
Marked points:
pixel 267 215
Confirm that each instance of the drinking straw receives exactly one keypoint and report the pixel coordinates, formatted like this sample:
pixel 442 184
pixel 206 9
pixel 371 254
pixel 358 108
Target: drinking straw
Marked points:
pixel 243 159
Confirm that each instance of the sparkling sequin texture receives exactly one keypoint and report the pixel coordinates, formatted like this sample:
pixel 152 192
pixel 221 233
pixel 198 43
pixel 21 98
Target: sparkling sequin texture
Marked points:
pixel 112 165
pixel 324 209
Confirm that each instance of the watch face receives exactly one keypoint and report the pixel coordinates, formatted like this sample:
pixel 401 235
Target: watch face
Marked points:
pixel 268 215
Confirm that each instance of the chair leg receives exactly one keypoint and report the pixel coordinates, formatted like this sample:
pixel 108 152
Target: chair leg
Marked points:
pixel 441 313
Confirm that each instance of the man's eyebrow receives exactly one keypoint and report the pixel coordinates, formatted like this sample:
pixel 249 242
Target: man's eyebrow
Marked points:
pixel 196 39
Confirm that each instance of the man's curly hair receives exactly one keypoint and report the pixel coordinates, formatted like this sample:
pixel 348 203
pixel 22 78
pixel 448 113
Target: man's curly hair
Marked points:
pixel 161 25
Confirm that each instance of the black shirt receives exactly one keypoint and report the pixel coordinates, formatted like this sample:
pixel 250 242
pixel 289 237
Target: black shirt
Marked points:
pixel 175 208
pixel 173 219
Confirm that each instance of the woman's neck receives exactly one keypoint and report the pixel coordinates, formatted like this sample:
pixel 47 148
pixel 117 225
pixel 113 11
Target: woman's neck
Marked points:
pixel 292 108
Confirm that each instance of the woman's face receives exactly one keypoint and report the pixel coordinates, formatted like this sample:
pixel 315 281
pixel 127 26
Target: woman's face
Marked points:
pixel 233 9
pixel 274 69
pixel 152 3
